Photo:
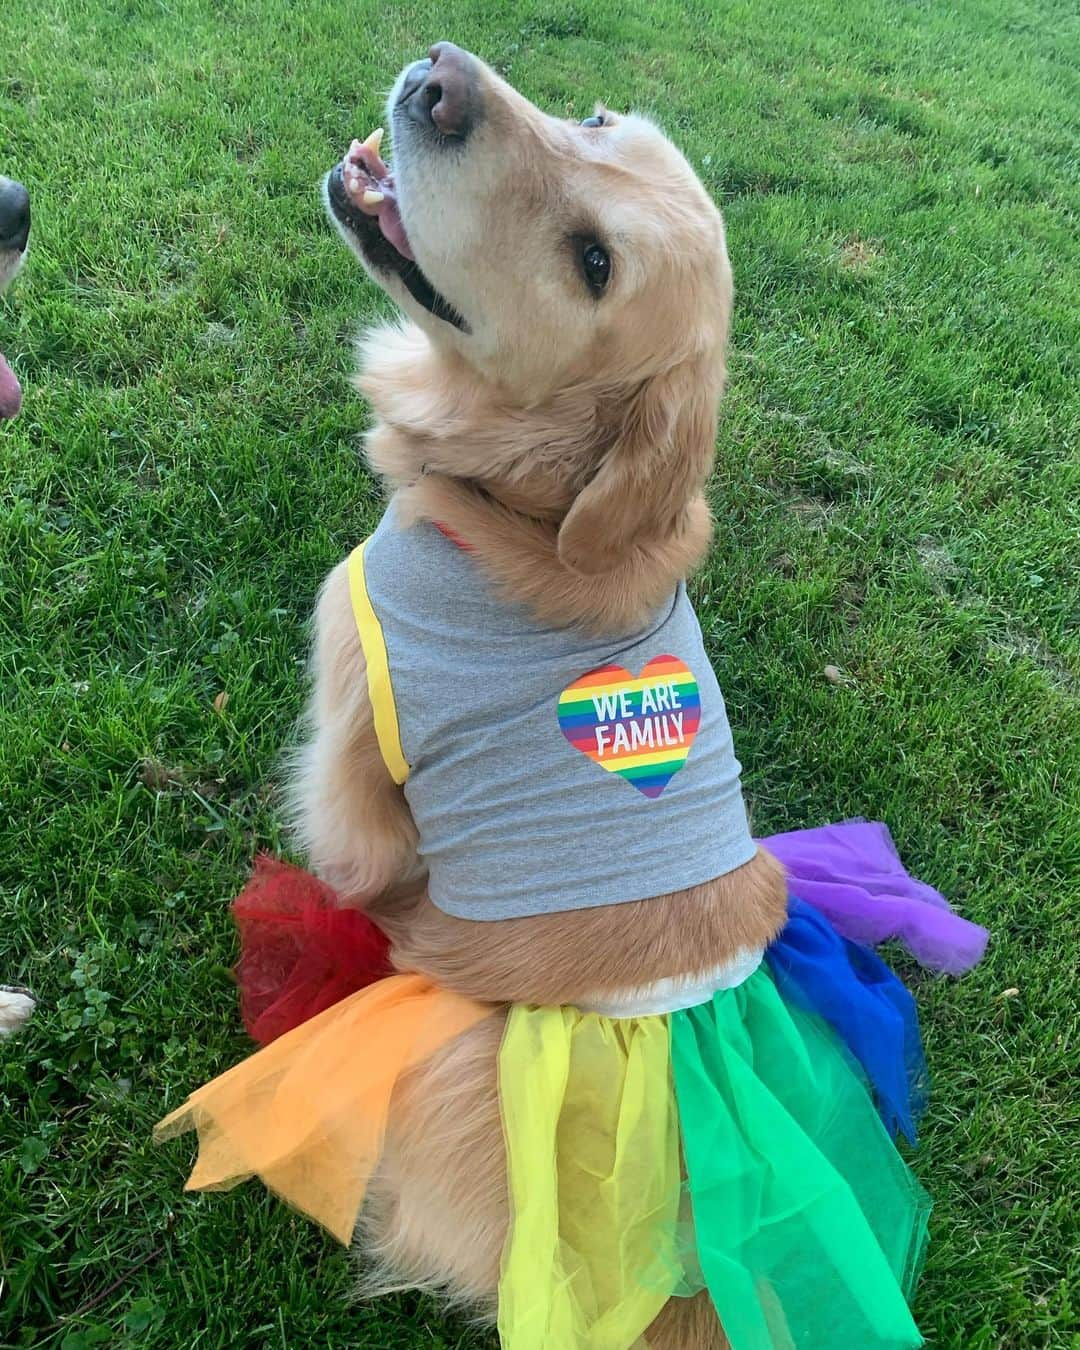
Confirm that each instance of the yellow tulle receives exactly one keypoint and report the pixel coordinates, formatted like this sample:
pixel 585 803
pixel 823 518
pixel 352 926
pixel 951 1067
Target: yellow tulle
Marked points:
pixel 593 1164
pixel 308 1113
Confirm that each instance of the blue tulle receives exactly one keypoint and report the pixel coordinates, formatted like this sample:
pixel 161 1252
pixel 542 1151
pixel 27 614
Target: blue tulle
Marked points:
pixel 864 1002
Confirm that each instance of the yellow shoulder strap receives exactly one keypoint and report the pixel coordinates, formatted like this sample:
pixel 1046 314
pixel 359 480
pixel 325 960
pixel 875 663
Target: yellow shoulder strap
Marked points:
pixel 380 689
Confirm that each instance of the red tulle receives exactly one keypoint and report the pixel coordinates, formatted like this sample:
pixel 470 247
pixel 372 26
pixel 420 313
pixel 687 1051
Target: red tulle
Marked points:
pixel 299 952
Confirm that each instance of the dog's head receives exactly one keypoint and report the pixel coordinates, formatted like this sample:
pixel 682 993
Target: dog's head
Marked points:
pixel 577 263
pixel 14 233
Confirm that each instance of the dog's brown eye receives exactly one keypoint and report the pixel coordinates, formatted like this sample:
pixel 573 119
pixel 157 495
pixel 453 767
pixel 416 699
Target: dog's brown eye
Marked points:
pixel 596 264
pixel 597 121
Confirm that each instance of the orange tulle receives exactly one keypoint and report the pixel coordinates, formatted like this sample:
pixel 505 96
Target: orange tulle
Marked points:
pixel 307 1114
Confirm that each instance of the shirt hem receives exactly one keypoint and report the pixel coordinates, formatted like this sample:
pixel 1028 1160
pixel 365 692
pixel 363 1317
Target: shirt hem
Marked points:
pixel 487 911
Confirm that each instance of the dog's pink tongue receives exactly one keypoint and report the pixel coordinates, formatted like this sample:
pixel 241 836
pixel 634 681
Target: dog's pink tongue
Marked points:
pixel 10 393
pixel 393 229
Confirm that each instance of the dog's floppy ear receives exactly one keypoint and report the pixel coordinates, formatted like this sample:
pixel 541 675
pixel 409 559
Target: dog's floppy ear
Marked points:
pixel 655 467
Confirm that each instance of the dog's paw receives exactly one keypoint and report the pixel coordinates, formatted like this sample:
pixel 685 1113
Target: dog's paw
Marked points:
pixel 16 1006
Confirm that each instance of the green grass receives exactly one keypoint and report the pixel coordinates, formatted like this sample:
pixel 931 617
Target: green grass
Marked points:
pixel 897 494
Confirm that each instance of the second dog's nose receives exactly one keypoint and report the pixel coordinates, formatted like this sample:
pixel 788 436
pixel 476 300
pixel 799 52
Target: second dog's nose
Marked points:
pixel 14 215
pixel 441 92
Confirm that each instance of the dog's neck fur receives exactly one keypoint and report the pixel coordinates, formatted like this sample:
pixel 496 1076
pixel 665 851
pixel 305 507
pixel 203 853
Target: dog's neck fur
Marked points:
pixel 503 477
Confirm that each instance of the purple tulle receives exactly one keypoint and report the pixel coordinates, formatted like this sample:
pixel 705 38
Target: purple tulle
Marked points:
pixel 853 875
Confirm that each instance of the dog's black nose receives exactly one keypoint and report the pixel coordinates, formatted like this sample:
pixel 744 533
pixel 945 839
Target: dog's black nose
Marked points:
pixel 441 91
pixel 14 215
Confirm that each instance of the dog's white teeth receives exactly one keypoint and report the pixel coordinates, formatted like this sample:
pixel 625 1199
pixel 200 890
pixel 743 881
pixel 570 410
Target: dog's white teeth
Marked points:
pixel 374 141
pixel 373 198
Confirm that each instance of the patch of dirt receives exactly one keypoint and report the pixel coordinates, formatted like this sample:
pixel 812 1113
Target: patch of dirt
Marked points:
pixel 1014 643
pixel 160 777
pixel 937 562
pixel 812 511
pixel 859 255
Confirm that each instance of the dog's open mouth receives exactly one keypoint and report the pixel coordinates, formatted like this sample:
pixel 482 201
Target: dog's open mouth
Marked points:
pixel 363 199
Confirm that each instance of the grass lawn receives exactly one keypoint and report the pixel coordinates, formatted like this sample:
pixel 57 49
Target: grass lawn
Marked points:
pixel 897 496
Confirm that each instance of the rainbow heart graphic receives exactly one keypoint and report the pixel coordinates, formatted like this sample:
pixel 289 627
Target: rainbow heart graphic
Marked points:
pixel 640 727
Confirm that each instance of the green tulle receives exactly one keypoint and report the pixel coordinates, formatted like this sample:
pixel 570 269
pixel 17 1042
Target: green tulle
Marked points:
pixel 810 1227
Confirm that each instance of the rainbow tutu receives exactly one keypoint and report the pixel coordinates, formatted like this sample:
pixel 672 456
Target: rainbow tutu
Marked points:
pixel 743 1146
pixel 797 1213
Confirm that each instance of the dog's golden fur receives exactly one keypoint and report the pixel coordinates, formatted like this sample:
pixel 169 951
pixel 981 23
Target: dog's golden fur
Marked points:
pixel 578 487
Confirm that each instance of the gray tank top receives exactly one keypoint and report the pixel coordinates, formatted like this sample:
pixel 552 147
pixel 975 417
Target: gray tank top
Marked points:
pixel 546 769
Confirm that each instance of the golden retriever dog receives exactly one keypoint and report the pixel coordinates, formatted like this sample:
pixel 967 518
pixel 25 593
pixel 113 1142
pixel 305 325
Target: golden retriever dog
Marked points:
pixel 549 398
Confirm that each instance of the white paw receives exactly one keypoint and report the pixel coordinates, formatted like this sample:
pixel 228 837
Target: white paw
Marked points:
pixel 16 1005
